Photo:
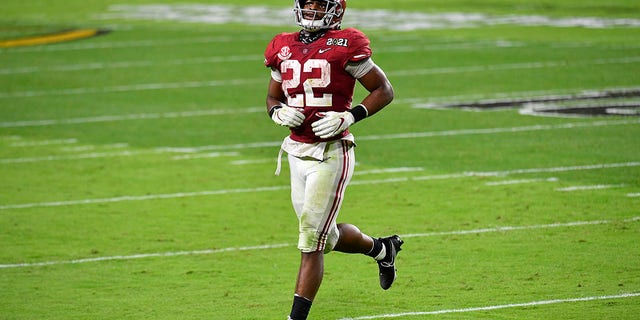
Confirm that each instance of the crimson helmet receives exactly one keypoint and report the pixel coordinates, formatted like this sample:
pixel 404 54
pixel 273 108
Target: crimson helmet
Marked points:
pixel 333 12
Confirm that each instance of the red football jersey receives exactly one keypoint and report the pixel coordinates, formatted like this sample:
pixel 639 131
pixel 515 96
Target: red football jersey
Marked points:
pixel 313 75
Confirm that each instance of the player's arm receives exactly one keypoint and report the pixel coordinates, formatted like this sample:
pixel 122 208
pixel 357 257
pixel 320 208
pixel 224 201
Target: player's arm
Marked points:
pixel 275 96
pixel 380 90
pixel 278 110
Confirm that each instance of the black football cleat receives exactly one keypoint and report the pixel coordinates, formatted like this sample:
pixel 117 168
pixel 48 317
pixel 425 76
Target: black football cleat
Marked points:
pixel 387 265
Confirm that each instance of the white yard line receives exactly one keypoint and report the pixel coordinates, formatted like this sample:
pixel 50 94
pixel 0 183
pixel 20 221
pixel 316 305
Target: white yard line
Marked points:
pixel 592 187
pixel 129 64
pixel 496 307
pixel 134 44
pixel 282 245
pixel 130 117
pixel 269 144
pixel 28 144
pixel 429 134
pixel 417 103
pixel 205 155
pixel 388 170
pixel 82 156
pixel 512 66
pixel 434 102
pixel 217 83
pixel 239 58
pixel 520 181
pixel 129 88
pixel 144 255
pixel 285 187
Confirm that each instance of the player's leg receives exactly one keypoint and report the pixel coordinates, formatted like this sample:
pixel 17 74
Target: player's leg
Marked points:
pixel 383 250
pixel 352 240
pixel 311 267
pixel 317 207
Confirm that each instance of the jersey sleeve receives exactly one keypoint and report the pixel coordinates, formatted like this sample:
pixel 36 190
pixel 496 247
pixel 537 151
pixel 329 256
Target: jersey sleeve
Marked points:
pixel 359 45
pixel 271 52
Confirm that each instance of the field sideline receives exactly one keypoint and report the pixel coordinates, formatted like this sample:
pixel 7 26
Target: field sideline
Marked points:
pixel 137 163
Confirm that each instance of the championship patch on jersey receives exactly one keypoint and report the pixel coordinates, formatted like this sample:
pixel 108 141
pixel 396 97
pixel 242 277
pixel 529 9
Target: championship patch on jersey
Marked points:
pixel 342 42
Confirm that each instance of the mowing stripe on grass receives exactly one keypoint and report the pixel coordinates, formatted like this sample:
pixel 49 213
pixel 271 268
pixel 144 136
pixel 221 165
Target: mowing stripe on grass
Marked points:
pixel 284 187
pixel 497 307
pixel 399 73
pixel 282 245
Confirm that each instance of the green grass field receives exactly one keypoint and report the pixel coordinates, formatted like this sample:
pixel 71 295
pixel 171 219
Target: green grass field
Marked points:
pixel 137 166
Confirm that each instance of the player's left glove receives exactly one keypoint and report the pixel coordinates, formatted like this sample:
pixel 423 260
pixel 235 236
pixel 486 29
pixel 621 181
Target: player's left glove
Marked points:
pixel 332 123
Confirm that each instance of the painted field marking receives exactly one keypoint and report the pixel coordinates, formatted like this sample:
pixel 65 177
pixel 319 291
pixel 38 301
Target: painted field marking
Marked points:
pixel 434 102
pixel 253 161
pixel 129 64
pixel 129 88
pixel 285 187
pixel 520 181
pixel 137 44
pixel 205 155
pixel 129 117
pixel 67 35
pixel 217 83
pixel 388 170
pixel 85 148
pixel 512 66
pixel 21 144
pixel 496 307
pixel 144 255
pixel 633 195
pixel 417 103
pixel 516 228
pixel 82 156
pixel 593 187
pixel 429 134
pixel 251 145
pixel 282 245
pixel 240 58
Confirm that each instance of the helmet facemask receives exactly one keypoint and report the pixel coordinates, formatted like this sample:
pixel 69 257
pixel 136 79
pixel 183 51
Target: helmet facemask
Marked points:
pixel 331 20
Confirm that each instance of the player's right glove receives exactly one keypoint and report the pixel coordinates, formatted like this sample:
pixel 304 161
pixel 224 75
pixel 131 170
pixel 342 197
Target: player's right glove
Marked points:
pixel 286 116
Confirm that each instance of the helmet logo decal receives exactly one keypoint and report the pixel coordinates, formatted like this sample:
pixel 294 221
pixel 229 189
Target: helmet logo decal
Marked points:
pixel 285 53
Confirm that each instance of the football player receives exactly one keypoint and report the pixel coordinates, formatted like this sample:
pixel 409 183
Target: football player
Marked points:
pixel 313 77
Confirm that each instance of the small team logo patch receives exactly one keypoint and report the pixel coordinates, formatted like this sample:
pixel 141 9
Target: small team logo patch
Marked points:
pixel 285 53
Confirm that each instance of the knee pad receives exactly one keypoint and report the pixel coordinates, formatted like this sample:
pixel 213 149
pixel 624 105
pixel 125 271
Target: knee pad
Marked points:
pixel 311 240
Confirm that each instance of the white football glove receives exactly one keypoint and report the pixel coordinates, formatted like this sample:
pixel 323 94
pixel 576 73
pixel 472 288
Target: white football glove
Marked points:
pixel 287 116
pixel 332 123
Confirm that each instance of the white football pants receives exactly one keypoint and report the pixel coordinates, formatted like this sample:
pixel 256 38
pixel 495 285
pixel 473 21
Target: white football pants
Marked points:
pixel 317 191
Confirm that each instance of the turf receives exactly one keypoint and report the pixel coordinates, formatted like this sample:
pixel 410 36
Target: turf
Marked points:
pixel 137 170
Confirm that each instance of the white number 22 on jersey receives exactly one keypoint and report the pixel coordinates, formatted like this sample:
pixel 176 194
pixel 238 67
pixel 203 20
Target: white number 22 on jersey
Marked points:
pixel 309 97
